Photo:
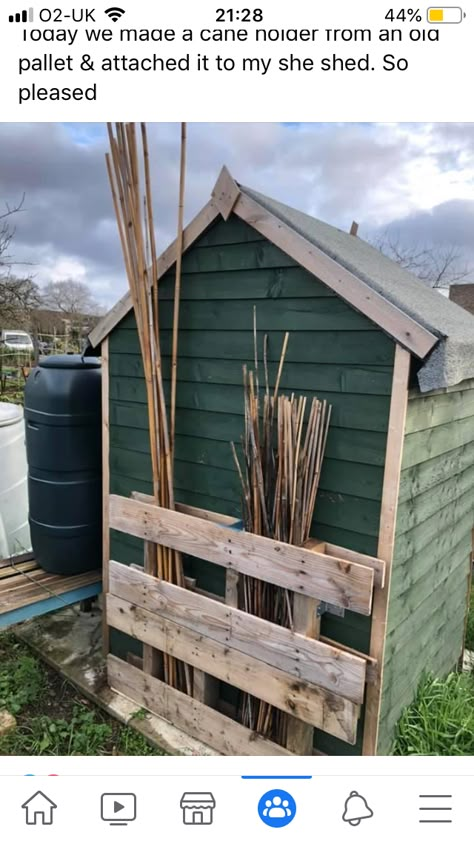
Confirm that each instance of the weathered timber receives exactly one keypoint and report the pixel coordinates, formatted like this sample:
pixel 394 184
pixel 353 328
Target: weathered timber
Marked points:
pixel 309 573
pixel 217 730
pixel 294 653
pixel 316 706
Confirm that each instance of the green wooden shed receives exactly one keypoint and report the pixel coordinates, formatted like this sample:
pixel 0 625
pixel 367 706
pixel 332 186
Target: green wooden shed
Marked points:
pixel 396 361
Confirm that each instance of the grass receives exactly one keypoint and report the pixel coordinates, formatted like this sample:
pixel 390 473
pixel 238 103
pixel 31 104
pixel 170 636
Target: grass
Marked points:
pixel 53 718
pixel 440 720
pixel 470 624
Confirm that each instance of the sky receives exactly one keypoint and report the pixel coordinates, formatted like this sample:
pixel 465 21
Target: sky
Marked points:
pixel 414 180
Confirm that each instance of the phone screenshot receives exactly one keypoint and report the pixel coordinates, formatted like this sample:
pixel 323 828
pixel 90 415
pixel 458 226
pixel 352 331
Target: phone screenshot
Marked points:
pixel 236 419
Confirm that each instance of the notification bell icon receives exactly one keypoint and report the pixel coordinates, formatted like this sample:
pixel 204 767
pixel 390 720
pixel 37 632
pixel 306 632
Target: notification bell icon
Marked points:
pixel 356 809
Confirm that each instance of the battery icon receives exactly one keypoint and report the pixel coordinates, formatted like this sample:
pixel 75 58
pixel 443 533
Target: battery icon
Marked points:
pixel 445 14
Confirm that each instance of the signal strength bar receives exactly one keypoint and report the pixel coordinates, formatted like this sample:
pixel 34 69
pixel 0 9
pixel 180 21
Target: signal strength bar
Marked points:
pixel 26 16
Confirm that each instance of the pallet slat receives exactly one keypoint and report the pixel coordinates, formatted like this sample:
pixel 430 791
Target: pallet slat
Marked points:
pixel 307 659
pixel 204 723
pixel 319 576
pixel 328 712
pixel 377 565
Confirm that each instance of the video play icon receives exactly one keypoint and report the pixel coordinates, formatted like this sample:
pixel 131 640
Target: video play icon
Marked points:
pixel 118 809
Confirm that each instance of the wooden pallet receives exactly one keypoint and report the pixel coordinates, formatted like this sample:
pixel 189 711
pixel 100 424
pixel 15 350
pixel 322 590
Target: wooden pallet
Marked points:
pixel 26 590
pixel 318 683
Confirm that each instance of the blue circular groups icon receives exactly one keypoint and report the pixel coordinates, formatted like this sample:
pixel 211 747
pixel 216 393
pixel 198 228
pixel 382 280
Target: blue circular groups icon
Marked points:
pixel 276 808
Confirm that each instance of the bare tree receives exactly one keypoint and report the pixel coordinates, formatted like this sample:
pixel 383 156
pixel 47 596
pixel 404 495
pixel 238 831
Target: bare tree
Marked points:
pixel 436 265
pixel 18 295
pixel 71 297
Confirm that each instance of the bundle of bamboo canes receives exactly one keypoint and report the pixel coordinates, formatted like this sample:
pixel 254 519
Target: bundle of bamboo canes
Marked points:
pixel 282 453
pixel 128 170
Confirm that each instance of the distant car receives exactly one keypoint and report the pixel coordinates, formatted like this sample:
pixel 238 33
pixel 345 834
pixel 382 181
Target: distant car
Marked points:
pixel 16 340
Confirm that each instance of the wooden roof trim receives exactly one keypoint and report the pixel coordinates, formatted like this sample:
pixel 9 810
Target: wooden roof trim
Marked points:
pixel 225 193
pixel 400 326
pixel 195 229
pixel 110 320
pixel 227 197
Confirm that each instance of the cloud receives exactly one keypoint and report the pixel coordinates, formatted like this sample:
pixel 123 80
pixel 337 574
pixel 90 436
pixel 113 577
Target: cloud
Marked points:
pixel 418 178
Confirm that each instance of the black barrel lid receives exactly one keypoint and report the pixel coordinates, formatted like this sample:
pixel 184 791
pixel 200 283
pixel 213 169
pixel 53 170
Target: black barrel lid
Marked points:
pixel 70 360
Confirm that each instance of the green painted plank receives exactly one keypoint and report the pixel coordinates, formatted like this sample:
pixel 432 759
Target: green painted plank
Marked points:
pixel 123 485
pixel 444 603
pixel 435 654
pixel 128 322
pixel 349 411
pixel 420 478
pixel 296 376
pixel 125 554
pixel 406 574
pixel 361 446
pixel 356 514
pixel 228 258
pixel 350 512
pixel 253 285
pixel 352 630
pixel 128 539
pixel 355 347
pixel 427 412
pixel 413 541
pixel 346 477
pixel 226 233
pixel 131 415
pixel 456 562
pixel 414 512
pixel 292 314
pixel 223 506
pixel 427 444
pixel 121 645
pixel 430 657
pixel 344 537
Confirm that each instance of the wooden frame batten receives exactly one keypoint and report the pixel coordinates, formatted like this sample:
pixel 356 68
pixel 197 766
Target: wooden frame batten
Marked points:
pixel 386 542
pixel 105 387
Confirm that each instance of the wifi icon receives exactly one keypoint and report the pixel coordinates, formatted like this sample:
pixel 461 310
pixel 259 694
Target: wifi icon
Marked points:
pixel 115 13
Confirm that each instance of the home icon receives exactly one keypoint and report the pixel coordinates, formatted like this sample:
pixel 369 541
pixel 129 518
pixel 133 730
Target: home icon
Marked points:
pixel 39 810
pixel 198 807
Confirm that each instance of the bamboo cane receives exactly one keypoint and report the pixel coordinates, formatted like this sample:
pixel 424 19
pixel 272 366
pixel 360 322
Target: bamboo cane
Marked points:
pixel 279 476
pixel 136 232
pixel 177 292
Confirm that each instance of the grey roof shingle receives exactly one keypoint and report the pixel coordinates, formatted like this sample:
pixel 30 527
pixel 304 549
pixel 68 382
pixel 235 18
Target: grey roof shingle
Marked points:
pixel 452 359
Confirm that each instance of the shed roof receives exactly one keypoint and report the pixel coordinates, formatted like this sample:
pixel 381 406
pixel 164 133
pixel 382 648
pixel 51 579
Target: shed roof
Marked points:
pixel 430 326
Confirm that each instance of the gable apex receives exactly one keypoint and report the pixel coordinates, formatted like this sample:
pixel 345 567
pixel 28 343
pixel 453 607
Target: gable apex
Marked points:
pixel 414 316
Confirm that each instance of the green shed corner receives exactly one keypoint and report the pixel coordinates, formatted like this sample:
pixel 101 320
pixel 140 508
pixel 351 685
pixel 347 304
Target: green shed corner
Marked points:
pixel 394 358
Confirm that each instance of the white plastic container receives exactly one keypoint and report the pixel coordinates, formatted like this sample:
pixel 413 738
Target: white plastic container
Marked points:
pixel 14 528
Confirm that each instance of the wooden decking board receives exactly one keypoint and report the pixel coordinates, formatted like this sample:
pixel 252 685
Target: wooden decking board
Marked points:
pixel 17 559
pixel 26 583
pixel 12 570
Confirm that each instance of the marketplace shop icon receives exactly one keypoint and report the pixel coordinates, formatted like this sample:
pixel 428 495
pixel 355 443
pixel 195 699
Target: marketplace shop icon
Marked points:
pixel 198 807
pixel 276 808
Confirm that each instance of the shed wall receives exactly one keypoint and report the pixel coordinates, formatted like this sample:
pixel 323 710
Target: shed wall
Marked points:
pixel 333 352
pixel 432 548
